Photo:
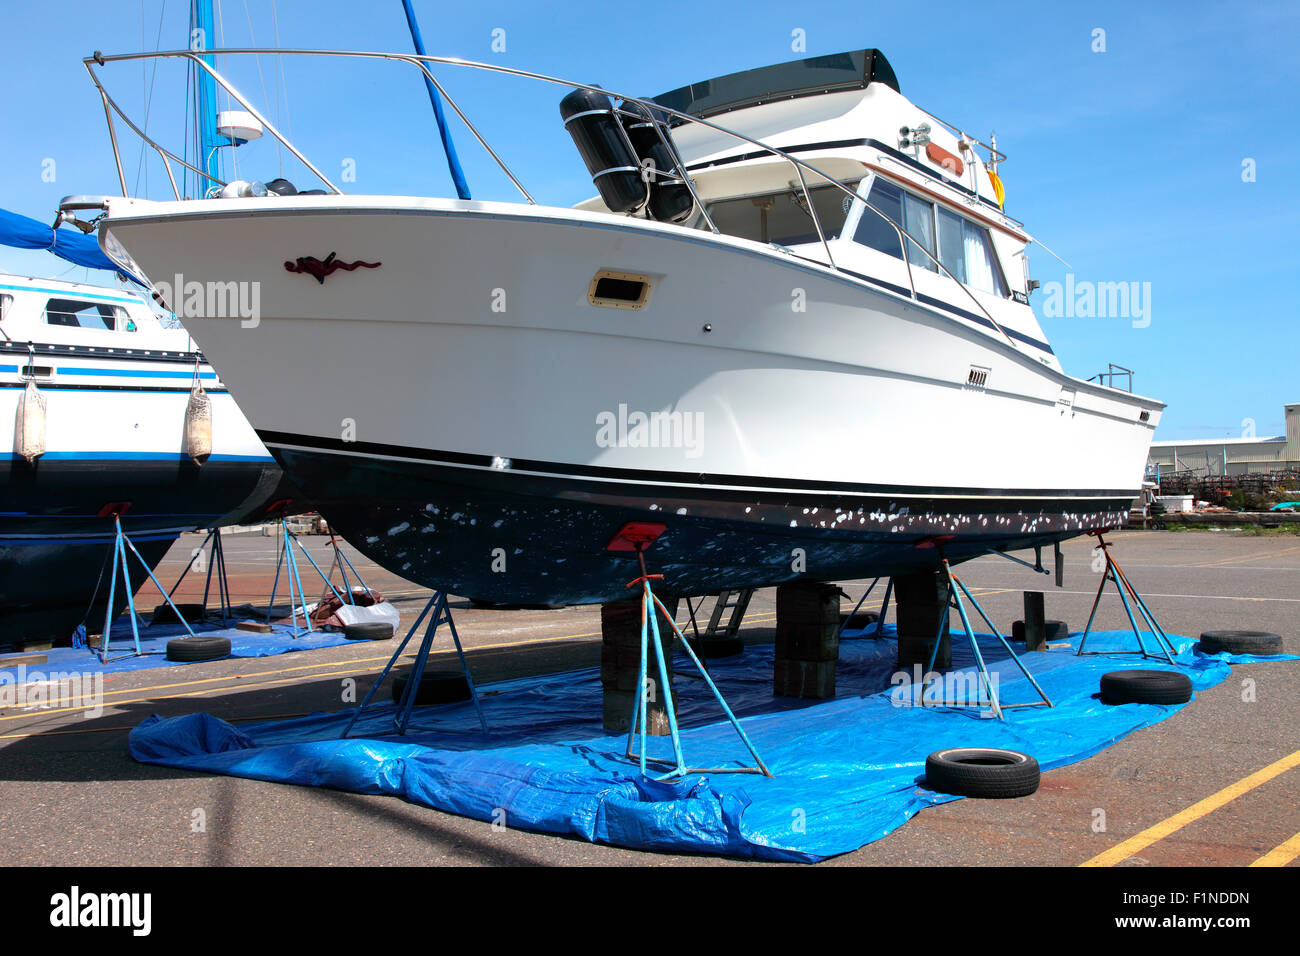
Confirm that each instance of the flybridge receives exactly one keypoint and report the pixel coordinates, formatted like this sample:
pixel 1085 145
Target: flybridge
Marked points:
pixel 834 73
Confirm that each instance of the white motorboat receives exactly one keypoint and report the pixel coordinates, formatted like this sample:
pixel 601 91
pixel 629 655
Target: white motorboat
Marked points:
pixel 113 385
pixel 746 357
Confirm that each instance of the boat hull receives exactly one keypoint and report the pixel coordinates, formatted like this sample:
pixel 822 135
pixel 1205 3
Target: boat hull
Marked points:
pixel 470 372
pixel 508 536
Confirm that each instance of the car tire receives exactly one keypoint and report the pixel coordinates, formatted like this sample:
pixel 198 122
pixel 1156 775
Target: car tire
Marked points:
pixel 1241 642
pixel 982 772
pixel 189 649
pixel 716 647
pixel 368 631
pixel 1146 687
pixel 436 687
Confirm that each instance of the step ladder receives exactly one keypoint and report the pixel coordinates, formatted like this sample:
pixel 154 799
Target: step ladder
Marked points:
pixel 737 607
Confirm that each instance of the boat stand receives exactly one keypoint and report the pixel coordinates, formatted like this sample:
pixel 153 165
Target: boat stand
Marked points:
pixel 121 543
pixel 651 608
pixel 341 562
pixel 289 562
pixel 401 718
pixel 884 606
pixel 217 563
pixel 955 589
pixel 1115 573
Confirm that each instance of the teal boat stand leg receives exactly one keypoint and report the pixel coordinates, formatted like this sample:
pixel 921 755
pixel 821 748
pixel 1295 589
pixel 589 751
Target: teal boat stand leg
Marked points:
pixel 441 614
pixel 1114 573
pixel 651 609
pixel 956 588
pixel 121 543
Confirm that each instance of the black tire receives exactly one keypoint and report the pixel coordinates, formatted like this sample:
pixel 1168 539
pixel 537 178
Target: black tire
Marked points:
pixel 368 631
pixel 1057 631
pixel 163 613
pixel 1241 642
pixel 982 772
pixel 855 622
pixel 716 647
pixel 198 648
pixel 436 687
pixel 1146 687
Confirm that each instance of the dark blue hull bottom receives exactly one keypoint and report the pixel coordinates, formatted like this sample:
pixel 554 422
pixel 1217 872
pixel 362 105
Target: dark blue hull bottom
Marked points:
pixel 56 531
pixel 506 536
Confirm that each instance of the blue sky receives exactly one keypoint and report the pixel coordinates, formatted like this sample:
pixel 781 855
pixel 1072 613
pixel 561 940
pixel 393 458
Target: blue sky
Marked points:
pixel 1128 163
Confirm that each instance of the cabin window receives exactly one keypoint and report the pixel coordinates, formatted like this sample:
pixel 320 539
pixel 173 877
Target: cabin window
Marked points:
pixel 918 222
pixel 875 231
pixel 783 217
pixel 5 302
pixel 982 270
pixel 79 313
pixel 961 246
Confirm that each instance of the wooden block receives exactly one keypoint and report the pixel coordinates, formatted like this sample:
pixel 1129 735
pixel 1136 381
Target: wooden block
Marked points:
pixel 257 627
pixel 807 642
pixel 810 680
pixel 23 660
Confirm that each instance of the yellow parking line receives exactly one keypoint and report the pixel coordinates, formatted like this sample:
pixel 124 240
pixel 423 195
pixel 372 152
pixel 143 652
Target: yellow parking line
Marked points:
pixel 1164 828
pixel 285 670
pixel 1281 855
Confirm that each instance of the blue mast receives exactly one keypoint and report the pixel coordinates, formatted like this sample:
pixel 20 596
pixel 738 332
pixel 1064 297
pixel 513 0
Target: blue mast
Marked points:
pixel 453 163
pixel 206 94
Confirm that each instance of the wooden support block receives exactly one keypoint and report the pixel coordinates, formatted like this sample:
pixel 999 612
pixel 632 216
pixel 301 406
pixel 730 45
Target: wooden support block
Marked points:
pixel 257 627
pixel 922 602
pixel 620 663
pixel 810 680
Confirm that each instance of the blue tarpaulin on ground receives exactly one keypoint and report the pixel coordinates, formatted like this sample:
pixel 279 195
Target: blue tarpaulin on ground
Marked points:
pixel 847 771
pixel 153 645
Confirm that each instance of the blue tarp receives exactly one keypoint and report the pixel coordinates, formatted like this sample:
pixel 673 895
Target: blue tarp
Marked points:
pixel 847 771
pixel 25 233
pixel 153 642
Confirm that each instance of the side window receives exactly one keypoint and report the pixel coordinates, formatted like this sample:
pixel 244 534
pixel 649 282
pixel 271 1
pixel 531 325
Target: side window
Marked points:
pixel 982 270
pixel 918 220
pixel 876 232
pixel 952 244
pixel 6 301
pixel 78 313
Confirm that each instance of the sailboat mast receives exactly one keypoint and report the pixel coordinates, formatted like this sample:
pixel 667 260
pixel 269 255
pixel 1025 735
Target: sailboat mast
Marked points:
pixel 201 29
pixel 453 163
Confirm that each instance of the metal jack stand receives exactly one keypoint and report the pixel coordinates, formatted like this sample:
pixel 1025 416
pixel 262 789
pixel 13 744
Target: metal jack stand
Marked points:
pixel 120 545
pixel 217 562
pixel 638 536
pixel 341 562
pixel 441 614
pixel 287 559
pixel 884 606
pixel 954 602
pixel 1115 573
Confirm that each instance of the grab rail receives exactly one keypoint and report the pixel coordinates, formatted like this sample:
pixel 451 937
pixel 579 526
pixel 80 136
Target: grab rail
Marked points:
pixel 111 107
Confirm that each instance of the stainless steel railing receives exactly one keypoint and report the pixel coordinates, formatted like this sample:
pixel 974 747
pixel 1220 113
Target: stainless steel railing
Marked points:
pixel 111 108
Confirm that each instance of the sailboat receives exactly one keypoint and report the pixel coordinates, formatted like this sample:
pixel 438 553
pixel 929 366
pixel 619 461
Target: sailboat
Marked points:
pixel 789 339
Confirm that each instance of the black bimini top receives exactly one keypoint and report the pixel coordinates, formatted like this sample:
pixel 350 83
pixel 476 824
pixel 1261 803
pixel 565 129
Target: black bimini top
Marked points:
pixel 832 73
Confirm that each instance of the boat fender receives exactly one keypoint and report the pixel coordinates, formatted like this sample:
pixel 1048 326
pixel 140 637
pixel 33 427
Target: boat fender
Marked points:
pixel 590 119
pixel 29 428
pixel 198 423
pixel 670 199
